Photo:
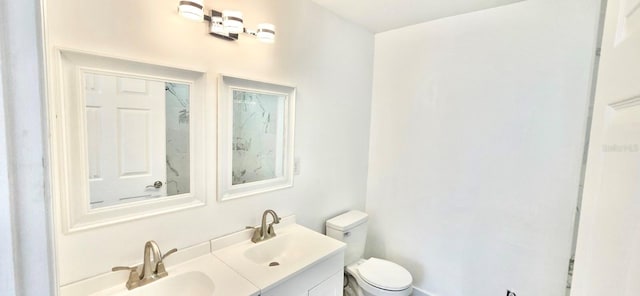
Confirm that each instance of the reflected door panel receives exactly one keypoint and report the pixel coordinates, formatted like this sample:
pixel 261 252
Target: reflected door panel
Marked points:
pixel 126 138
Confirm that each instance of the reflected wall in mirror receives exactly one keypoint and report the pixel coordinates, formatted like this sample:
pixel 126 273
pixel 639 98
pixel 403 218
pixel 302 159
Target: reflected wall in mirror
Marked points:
pixel 137 138
pixel 258 129
pixel 126 136
pixel 255 150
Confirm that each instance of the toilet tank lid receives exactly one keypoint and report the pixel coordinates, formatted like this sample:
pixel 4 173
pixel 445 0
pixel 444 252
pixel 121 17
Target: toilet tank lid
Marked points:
pixel 347 220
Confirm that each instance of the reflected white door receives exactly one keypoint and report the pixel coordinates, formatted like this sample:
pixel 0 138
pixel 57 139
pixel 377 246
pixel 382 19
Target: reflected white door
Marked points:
pixel 126 138
pixel 608 250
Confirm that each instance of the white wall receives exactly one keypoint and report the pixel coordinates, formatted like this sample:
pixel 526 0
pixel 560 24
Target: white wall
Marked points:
pixel 24 219
pixel 328 59
pixel 477 132
pixel 7 278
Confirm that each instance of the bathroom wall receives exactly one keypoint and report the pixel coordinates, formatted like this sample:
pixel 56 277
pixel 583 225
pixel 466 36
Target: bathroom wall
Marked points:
pixel 7 278
pixel 329 60
pixel 24 215
pixel 477 134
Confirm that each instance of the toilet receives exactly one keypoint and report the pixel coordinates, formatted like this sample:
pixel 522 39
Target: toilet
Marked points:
pixel 373 276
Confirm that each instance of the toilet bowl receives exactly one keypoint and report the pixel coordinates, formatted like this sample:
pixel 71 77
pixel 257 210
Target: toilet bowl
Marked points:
pixel 373 276
pixel 378 277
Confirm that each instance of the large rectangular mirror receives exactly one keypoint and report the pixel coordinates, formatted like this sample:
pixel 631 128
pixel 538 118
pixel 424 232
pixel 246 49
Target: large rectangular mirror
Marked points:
pixel 125 139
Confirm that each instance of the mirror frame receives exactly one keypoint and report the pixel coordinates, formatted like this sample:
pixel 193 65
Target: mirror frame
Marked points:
pixel 226 85
pixel 68 143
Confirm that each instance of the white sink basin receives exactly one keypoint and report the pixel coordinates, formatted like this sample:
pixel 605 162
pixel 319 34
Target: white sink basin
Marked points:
pixel 197 273
pixel 270 262
pixel 188 283
pixel 283 249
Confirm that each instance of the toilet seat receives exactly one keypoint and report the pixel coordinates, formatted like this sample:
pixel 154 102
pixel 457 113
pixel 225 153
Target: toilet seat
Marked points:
pixel 390 275
pixel 385 274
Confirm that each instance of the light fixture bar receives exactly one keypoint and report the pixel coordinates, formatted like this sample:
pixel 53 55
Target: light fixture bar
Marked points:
pixel 226 24
pixel 215 19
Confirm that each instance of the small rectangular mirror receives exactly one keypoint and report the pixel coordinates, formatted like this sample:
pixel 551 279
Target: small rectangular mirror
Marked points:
pixel 256 122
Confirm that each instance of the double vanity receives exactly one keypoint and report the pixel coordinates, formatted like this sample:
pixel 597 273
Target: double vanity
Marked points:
pixel 283 259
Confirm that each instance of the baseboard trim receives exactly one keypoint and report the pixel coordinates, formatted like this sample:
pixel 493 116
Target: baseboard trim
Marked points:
pixel 420 292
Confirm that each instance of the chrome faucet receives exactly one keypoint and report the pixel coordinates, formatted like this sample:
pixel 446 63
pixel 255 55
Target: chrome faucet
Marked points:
pixel 152 269
pixel 265 232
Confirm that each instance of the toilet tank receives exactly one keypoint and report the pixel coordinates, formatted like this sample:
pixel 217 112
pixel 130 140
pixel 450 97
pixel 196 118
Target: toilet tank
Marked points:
pixel 350 228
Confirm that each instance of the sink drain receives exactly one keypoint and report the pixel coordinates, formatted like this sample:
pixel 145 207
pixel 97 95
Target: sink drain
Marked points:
pixel 274 264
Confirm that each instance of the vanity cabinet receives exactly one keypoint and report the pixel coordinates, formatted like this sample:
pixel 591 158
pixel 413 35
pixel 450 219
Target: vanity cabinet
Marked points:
pixel 296 262
pixel 322 279
pixel 330 287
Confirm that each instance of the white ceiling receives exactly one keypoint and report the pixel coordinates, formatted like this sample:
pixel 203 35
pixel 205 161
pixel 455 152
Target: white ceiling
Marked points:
pixel 383 15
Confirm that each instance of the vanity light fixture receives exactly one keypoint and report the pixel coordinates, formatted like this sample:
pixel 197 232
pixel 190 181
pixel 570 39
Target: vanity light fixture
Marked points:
pixel 232 21
pixel 192 10
pixel 266 33
pixel 227 24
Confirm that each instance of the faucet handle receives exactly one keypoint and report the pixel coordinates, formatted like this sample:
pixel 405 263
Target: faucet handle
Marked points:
pixel 126 268
pixel 134 278
pixel 169 253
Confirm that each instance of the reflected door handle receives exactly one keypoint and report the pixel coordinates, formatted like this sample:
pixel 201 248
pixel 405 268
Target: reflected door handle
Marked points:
pixel 156 185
